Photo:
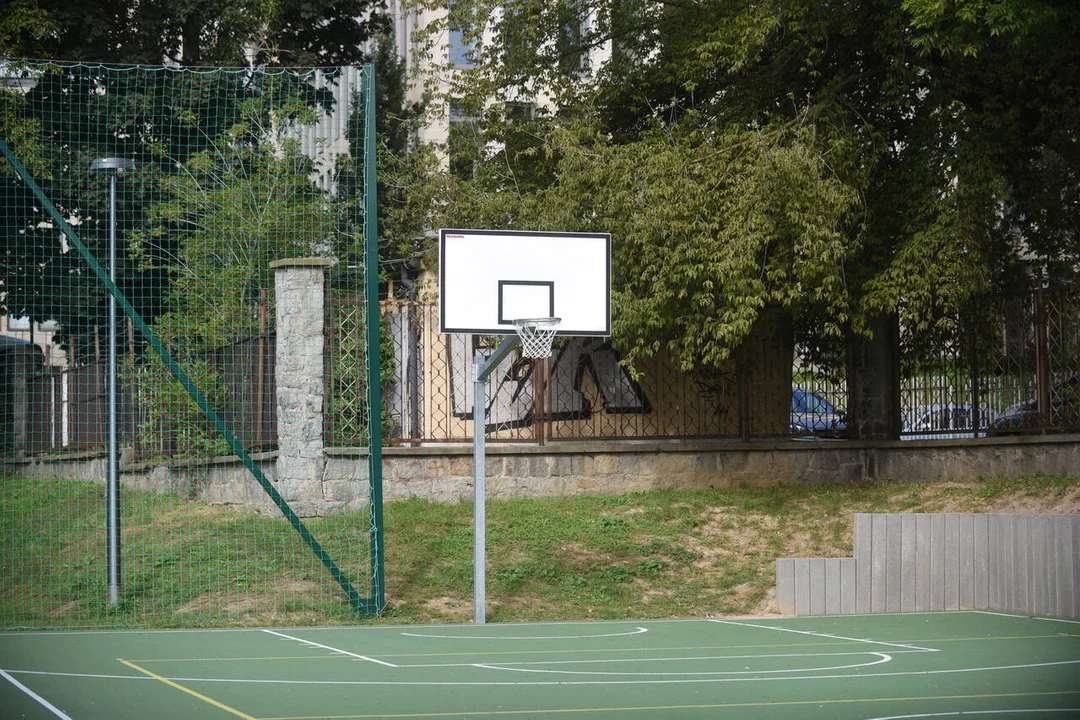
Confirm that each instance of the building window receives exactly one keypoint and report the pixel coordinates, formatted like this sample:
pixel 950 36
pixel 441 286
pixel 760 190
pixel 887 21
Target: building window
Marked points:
pixel 23 323
pixel 461 49
pixel 464 142
pixel 569 44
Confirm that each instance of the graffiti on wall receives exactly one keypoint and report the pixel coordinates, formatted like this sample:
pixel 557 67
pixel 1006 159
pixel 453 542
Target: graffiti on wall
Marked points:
pixel 511 390
pixel 428 384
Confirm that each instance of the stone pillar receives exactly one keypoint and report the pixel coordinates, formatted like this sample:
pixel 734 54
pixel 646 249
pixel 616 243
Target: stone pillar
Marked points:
pixel 298 288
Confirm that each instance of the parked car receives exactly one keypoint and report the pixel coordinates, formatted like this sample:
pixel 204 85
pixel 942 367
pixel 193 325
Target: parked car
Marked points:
pixel 811 414
pixel 945 422
pixel 1064 411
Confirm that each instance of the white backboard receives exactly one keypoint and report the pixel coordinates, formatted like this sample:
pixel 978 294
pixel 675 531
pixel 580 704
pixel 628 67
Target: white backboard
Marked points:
pixel 489 278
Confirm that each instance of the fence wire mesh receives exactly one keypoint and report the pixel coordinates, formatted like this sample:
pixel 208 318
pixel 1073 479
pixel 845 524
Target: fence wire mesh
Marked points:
pixel 234 171
pixel 1011 368
pixel 213 207
pixel 976 376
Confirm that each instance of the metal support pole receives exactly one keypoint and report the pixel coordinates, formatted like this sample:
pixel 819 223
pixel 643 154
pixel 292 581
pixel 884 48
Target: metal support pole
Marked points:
pixel 112 491
pixel 374 389
pixel 1042 362
pixel 481 370
pixel 479 491
pixel 112 166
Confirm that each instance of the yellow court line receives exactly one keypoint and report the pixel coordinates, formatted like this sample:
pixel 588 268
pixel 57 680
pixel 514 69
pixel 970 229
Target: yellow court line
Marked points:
pixel 181 688
pixel 659 708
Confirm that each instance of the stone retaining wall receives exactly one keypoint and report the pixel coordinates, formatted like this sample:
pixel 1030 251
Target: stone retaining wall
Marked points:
pixel 444 474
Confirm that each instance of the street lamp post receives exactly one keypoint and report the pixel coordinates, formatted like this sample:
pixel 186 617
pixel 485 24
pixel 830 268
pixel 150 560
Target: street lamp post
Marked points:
pixel 112 166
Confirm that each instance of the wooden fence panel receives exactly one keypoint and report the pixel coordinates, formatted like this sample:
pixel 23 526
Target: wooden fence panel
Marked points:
pixel 942 561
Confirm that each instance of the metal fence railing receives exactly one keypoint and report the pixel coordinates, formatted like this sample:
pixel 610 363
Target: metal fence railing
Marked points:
pixel 1015 372
pixel 582 392
pixel 67 405
pixel 1009 377
pixel 1012 373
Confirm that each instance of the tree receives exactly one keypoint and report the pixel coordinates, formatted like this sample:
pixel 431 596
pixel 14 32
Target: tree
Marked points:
pixel 65 116
pixel 159 118
pixel 236 208
pixel 299 33
pixel 901 159
pixel 402 166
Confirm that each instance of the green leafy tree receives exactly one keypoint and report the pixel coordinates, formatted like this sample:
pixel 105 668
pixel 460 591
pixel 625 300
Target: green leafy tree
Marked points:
pixel 234 210
pixel 231 212
pixel 159 118
pixel 60 117
pixel 297 33
pixel 402 165
pixel 850 162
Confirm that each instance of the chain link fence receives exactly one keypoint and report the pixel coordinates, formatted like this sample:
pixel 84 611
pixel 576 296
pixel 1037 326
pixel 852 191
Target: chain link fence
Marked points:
pixel 154 218
pixel 1012 370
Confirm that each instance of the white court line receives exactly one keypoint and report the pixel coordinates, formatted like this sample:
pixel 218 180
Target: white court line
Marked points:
pixel 825 635
pixel 846 676
pixel 662 659
pixel 45 703
pixel 882 658
pixel 87 676
pixel 852 616
pixel 488 683
pixel 1027 617
pixel 636 631
pixel 331 649
pixel 28 632
pixel 957 713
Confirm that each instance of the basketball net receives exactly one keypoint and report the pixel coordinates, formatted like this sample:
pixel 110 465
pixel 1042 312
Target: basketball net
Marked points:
pixel 536 336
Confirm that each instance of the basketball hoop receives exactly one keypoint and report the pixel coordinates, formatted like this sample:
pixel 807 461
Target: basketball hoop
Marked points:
pixel 536 335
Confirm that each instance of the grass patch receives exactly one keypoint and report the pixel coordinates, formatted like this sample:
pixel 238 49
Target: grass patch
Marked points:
pixel 184 563
pixel 653 554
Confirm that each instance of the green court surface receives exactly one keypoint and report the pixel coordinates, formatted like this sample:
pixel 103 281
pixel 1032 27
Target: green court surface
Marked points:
pixel 987 665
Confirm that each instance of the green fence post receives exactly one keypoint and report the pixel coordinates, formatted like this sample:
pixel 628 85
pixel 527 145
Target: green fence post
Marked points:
pixel 371 279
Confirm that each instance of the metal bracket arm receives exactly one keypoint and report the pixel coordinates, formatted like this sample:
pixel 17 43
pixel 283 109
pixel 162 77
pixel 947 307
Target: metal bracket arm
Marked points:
pixel 484 368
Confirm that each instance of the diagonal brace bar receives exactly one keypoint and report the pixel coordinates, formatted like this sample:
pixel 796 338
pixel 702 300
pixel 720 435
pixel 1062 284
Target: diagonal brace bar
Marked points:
pixel 355 601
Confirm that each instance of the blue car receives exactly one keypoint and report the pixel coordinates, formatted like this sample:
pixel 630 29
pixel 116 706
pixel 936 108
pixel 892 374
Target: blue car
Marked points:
pixel 812 414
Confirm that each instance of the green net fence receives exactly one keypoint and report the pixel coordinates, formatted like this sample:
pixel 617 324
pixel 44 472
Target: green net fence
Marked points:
pixel 185 254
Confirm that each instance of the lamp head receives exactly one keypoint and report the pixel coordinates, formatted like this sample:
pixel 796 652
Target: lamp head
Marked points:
pixel 112 164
